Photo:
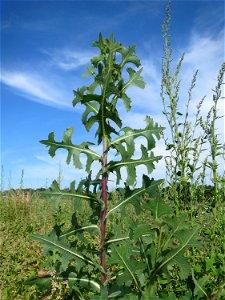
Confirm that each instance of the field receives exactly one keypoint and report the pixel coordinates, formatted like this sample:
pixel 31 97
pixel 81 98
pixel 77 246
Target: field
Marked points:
pixel 24 212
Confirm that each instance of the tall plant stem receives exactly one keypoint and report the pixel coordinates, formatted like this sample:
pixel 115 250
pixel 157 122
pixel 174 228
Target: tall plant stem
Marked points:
pixel 104 212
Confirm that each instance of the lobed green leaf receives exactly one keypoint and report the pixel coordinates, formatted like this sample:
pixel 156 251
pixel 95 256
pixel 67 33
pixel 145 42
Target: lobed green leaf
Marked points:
pixel 84 282
pixel 74 151
pixel 67 253
pixel 56 191
pixel 133 196
pixel 150 132
pixel 187 238
pixel 147 159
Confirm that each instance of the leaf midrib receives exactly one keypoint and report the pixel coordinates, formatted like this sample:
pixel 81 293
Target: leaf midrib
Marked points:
pixel 179 250
pixel 71 195
pixel 64 249
pixel 124 137
pixel 135 161
pixel 74 147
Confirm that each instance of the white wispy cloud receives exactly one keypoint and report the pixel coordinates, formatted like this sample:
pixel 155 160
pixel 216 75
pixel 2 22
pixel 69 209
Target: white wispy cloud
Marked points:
pixel 203 52
pixel 206 54
pixel 209 20
pixel 68 59
pixel 45 85
pixel 35 87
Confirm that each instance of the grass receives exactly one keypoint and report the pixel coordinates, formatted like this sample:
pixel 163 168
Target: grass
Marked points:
pixel 22 213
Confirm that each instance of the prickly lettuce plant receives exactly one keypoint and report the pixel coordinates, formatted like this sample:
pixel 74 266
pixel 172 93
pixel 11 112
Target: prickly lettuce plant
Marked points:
pixel 107 252
pixel 101 100
pixel 152 252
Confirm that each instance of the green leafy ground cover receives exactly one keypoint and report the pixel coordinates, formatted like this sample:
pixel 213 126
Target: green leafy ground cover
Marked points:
pixel 21 257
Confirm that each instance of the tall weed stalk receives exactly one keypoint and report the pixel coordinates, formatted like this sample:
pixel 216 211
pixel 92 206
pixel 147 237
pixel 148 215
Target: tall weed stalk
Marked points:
pixel 111 252
pixel 217 149
pixel 185 165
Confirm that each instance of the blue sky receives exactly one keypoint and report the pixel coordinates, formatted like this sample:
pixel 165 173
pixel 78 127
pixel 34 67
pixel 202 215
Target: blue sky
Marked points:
pixel 46 46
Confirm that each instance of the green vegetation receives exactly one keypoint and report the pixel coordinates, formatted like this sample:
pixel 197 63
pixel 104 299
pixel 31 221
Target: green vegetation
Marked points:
pixel 22 258
pixel 21 213
pixel 163 240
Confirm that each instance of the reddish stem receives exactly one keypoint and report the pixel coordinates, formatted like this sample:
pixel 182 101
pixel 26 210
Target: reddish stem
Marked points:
pixel 103 214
